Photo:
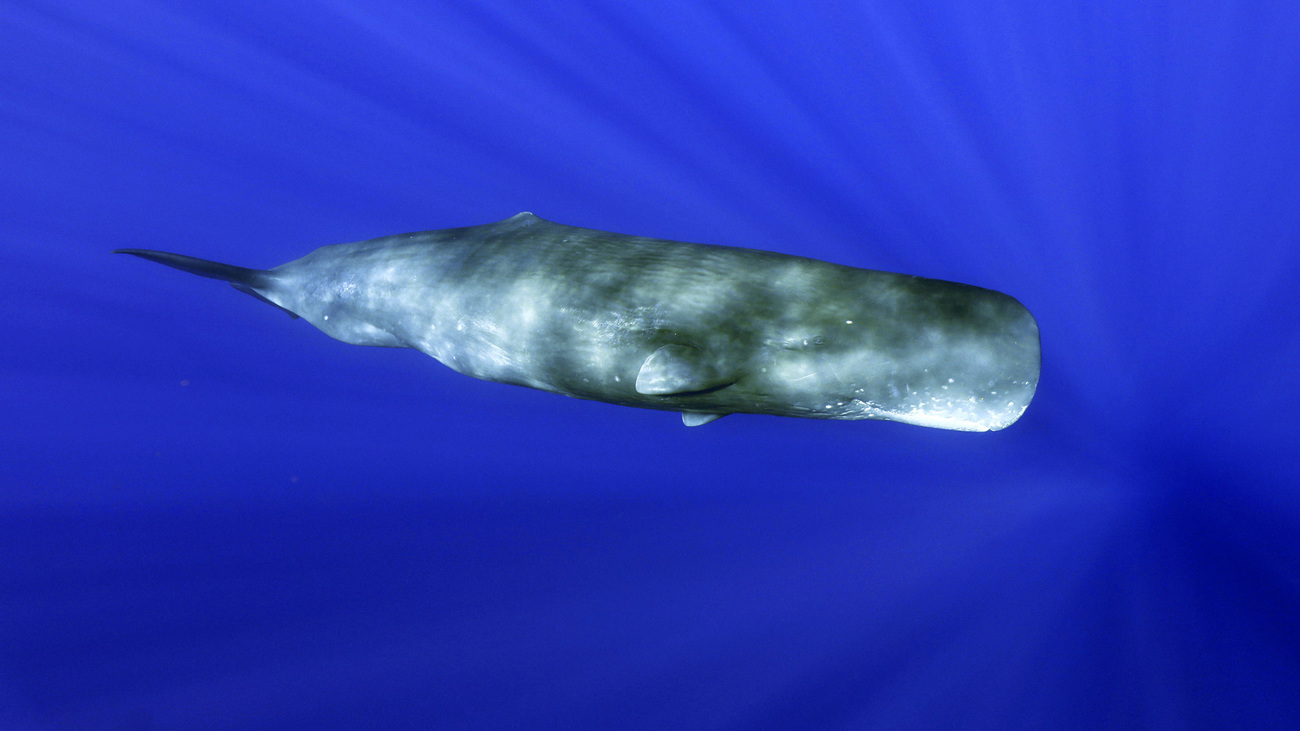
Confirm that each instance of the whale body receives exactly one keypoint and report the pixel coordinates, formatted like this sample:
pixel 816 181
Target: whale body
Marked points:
pixel 693 328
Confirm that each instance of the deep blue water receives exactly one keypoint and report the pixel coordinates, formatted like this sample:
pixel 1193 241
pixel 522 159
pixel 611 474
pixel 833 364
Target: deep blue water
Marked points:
pixel 212 516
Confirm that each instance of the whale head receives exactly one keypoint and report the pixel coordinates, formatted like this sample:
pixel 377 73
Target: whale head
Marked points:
pixel 969 363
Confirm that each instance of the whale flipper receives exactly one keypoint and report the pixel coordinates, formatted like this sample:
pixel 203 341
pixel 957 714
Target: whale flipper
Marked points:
pixel 675 369
pixel 243 279
pixel 695 418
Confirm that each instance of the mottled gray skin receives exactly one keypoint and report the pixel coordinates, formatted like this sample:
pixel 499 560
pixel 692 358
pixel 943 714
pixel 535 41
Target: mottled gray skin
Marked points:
pixel 702 330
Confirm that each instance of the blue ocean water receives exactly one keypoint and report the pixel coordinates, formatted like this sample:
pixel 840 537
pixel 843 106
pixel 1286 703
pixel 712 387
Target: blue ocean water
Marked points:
pixel 214 517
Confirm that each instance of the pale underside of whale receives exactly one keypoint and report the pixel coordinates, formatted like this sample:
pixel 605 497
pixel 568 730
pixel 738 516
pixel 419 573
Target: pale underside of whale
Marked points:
pixel 702 330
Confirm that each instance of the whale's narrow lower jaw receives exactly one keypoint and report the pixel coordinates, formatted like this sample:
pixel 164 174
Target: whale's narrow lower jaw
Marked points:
pixel 954 419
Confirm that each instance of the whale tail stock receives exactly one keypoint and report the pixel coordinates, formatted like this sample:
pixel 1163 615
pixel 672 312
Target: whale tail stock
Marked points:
pixel 245 280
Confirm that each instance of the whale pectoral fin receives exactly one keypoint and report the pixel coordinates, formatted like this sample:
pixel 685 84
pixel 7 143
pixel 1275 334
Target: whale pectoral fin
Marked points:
pixel 695 418
pixel 675 369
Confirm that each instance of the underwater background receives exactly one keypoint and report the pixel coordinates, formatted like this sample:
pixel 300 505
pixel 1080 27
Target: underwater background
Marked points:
pixel 215 517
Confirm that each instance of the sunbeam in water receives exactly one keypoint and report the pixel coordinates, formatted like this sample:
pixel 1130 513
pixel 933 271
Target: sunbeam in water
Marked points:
pixel 215 517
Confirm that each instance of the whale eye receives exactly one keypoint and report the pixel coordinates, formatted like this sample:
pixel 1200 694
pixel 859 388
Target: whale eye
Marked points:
pixel 802 342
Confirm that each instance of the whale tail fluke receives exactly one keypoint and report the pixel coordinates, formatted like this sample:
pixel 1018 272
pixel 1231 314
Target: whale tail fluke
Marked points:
pixel 250 281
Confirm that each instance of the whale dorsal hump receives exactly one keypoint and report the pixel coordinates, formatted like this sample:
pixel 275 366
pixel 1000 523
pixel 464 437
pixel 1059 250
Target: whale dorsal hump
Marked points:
pixel 675 369
pixel 521 219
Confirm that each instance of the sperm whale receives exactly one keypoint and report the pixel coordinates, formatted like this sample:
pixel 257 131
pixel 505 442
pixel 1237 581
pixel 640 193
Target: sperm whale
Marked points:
pixel 698 329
